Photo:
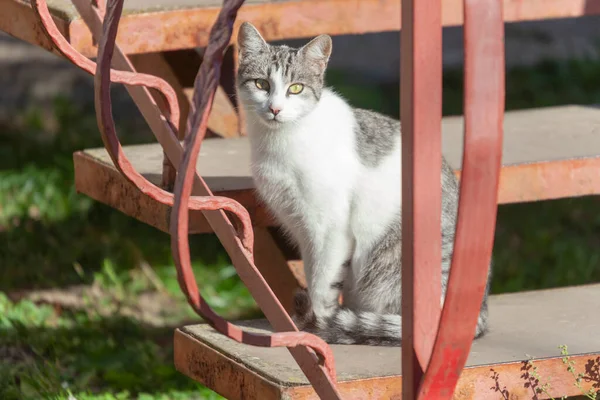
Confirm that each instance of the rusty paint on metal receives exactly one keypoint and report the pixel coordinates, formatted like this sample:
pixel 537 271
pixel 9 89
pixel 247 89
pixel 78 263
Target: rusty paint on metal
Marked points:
pixel 231 380
pixel 208 78
pixel 515 380
pixel 549 180
pixel 154 31
pixel 290 19
pixel 484 113
pixel 384 388
pixel 421 114
pixel 482 382
pixel 243 237
pixel 64 47
pixel 102 182
pixel 18 19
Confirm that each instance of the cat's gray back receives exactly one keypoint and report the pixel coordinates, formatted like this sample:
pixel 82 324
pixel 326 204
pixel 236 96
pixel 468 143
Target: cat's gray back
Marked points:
pixel 377 135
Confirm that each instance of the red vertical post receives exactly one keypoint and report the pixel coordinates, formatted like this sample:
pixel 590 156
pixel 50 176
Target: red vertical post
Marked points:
pixel 484 113
pixel 421 114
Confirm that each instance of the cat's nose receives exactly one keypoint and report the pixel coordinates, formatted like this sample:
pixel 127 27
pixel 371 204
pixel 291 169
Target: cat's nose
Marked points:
pixel 274 110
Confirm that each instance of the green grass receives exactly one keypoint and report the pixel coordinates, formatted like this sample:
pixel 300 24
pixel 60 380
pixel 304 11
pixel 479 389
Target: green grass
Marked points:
pixel 114 341
pixel 50 353
pixel 110 344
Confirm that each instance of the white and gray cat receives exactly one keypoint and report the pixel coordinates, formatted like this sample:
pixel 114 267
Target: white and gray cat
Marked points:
pixel 331 175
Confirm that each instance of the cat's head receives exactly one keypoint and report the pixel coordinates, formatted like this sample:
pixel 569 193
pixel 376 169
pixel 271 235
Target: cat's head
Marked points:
pixel 279 84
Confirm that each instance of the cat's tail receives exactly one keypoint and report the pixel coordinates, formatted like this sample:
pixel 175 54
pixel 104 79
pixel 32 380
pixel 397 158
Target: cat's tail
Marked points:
pixel 346 326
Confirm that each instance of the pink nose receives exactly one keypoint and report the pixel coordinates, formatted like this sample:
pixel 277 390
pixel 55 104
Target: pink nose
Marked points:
pixel 274 110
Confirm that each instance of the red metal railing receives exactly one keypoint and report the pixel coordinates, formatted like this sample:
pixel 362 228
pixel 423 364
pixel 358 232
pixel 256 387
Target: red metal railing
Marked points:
pixel 238 242
pixel 432 358
pixel 435 354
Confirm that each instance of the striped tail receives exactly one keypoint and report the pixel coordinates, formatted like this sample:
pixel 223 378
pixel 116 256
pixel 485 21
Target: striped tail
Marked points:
pixel 346 326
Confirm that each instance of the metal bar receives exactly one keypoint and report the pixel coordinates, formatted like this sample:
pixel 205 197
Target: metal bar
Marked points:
pixel 421 114
pixel 484 112
pixel 207 80
pixel 240 252
pixel 238 243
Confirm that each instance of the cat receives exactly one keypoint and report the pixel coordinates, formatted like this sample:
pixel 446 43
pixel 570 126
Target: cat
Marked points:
pixel 331 175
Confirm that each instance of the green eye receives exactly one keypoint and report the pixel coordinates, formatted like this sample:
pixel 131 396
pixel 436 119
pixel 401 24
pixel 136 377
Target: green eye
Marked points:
pixel 262 84
pixel 296 88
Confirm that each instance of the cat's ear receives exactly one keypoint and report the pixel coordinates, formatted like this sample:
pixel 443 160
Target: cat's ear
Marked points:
pixel 249 40
pixel 318 50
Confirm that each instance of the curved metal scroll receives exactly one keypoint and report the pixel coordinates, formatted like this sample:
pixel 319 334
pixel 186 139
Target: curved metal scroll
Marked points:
pixel 111 141
pixel 237 243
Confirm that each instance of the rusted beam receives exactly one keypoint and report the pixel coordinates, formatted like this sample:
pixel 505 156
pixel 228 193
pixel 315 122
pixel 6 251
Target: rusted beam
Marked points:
pixel 284 20
pixel 156 30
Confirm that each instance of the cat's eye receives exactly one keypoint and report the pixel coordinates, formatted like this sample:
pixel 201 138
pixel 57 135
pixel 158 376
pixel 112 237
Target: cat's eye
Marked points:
pixel 262 84
pixel 296 88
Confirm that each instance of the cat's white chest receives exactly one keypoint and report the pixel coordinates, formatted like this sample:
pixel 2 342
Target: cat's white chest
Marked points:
pixel 277 179
pixel 304 175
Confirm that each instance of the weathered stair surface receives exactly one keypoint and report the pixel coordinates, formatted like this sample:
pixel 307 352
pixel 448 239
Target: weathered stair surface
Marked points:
pixel 278 19
pixel 521 325
pixel 223 163
pixel 549 153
